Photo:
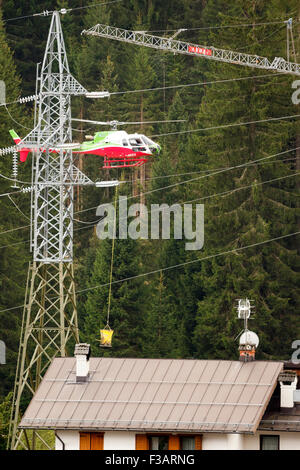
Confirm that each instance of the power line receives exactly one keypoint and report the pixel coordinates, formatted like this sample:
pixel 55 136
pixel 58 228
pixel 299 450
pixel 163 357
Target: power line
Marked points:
pixel 167 268
pixel 242 165
pixel 241 25
pixel 24 100
pixel 212 172
pixel 229 191
pixel 223 126
pixel 174 175
pixel 195 84
pixel 62 11
pixel 154 178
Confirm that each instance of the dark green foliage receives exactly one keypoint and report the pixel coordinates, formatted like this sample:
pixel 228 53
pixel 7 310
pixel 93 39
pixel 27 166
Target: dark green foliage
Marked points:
pixel 187 311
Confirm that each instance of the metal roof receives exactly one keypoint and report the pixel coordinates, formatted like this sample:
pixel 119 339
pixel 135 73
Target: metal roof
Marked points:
pixel 154 395
pixel 281 420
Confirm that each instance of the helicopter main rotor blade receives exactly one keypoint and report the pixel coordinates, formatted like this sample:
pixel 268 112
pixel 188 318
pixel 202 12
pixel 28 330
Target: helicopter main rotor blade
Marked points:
pixel 92 122
pixel 150 122
pixel 124 123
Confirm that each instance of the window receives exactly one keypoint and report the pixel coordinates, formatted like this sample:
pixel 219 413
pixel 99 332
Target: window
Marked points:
pixel 168 442
pixel 187 443
pixel 269 442
pixel 91 441
pixel 158 442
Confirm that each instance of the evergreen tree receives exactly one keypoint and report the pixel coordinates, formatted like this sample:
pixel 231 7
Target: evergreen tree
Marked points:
pixel 126 299
pixel 267 274
pixel 13 257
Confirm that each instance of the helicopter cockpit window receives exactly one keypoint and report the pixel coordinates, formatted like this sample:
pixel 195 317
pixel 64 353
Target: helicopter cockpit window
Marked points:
pixel 135 141
pixel 147 141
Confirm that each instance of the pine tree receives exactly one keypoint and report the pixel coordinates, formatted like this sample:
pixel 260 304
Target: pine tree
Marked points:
pixel 266 274
pixel 13 257
pixel 126 299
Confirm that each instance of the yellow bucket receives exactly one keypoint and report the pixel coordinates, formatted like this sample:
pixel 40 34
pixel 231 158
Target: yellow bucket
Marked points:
pixel 105 338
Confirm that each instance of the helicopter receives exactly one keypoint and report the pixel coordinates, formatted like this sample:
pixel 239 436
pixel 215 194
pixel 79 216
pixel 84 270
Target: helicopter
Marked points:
pixel 118 148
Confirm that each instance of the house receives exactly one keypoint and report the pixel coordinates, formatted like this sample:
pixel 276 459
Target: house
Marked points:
pixel 129 403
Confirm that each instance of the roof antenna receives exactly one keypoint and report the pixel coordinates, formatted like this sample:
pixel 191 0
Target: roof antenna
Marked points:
pixel 248 339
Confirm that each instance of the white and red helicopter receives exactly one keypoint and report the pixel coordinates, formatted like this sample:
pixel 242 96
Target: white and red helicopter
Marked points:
pixel 118 148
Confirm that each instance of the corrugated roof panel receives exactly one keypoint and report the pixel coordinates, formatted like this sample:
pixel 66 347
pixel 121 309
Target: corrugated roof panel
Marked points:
pixel 151 391
pixel 244 374
pixel 224 415
pixel 159 413
pixel 212 414
pixel 232 371
pixel 60 364
pixel 50 410
pixel 163 392
pixel 151 394
pixel 259 394
pixel 140 412
pixel 174 393
pixel 235 393
pixel 137 370
pixel 128 412
pixel 251 414
pixel 116 411
pixel 220 371
pixel 139 391
pixel 198 392
pixel 210 393
pixel 177 413
pixel 186 391
pixel 68 411
pixel 100 411
pixel 197 370
pixel 237 415
pixel 208 371
pixel 223 393
pixel 150 369
pixel 96 410
pixel 185 372
pixel 109 369
pixel 200 412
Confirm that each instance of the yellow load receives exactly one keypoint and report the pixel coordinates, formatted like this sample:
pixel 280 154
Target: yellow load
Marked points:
pixel 106 337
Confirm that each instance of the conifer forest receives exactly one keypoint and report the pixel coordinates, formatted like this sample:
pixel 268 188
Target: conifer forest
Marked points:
pixel 235 148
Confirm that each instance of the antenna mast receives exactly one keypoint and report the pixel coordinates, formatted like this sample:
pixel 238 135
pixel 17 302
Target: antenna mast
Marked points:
pixel 248 339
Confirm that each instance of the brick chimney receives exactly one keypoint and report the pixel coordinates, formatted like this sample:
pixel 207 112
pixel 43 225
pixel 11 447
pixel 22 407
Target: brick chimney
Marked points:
pixel 288 384
pixel 82 355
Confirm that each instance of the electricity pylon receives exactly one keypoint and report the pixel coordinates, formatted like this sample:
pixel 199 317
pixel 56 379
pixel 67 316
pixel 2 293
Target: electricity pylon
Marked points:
pixel 50 313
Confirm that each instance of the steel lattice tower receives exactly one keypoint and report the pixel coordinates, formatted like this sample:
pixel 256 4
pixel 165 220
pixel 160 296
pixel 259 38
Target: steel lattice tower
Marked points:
pixel 50 314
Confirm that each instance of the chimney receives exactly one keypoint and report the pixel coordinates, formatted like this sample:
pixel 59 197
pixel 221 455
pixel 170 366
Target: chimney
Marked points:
pixel 288 384
pixel 248 344
pixel 82 354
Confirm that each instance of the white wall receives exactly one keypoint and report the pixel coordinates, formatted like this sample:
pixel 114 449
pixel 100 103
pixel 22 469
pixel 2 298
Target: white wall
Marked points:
pixel 287 440
pixel 70 438
pixel 213 441
pixel 119 440
pixel 125 440
pixel 113 440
